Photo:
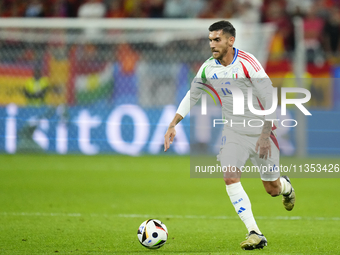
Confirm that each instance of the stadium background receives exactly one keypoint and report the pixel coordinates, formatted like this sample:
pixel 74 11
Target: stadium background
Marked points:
pixel 93 78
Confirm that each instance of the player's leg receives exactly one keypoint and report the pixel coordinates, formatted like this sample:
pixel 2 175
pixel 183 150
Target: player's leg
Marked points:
pixel 272 182
pixel 242 205
pixel 272 185
pixel 280 186
pixel 288 193
pixel 239 198
pixel 233 156
pixel 273 188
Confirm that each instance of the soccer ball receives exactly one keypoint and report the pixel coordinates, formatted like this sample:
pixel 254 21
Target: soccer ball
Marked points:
pixel 152 234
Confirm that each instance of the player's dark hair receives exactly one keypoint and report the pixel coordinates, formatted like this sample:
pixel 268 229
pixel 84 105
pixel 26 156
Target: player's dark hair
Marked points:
pixel 225 26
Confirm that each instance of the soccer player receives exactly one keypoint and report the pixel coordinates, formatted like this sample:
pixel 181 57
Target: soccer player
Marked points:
pixel 239 142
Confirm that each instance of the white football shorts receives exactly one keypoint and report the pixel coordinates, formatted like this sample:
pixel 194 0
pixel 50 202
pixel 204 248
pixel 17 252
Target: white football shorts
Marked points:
pixel 237 148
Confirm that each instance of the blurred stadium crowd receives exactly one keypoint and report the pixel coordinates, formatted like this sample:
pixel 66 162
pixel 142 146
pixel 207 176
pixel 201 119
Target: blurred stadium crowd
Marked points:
pixel 321 17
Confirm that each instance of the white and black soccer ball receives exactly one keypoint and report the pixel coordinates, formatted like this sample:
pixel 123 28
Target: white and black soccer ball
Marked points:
pixel 152 234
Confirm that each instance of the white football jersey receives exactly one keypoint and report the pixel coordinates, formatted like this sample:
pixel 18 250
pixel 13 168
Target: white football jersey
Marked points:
pixel 244 71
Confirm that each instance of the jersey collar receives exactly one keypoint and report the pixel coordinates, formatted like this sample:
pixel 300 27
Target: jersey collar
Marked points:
pixel 234 59
pixel 235 56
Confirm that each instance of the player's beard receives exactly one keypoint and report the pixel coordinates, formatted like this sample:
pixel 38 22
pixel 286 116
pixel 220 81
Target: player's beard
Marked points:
pixel 221 54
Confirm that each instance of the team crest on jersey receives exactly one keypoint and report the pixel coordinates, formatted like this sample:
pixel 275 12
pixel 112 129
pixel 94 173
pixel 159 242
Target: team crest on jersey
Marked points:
pixel 235 73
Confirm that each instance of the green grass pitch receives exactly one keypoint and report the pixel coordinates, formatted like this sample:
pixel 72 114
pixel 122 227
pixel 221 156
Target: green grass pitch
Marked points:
pixel 94 205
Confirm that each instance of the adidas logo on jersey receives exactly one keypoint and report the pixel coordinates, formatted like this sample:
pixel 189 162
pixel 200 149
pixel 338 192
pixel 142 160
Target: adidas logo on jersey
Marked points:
pixel 214 76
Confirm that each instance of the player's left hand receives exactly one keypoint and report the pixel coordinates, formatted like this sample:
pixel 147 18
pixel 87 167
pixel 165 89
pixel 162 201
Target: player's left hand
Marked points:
pixel 263 143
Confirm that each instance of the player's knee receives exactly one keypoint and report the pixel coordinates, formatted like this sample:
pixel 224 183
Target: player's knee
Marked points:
pixel 231 175
pixel 229 181
pixel 274 192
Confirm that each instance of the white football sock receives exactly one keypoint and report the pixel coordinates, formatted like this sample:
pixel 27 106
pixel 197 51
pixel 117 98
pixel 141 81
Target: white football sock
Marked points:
pixel 241 202
pixel 286 187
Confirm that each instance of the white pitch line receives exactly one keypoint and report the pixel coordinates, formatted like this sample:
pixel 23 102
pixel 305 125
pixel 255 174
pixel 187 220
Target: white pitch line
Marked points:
pixel 228 217
pixel 293 218
pixel 40 214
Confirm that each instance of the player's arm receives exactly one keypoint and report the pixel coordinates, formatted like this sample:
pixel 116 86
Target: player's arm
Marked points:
pixel 182 111
pixel 263 143
pixel 264 87
pixel 190 99
pixel 171 132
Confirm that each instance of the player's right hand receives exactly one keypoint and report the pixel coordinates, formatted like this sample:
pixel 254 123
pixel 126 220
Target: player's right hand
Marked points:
pixel 263 147
pixel 169 137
